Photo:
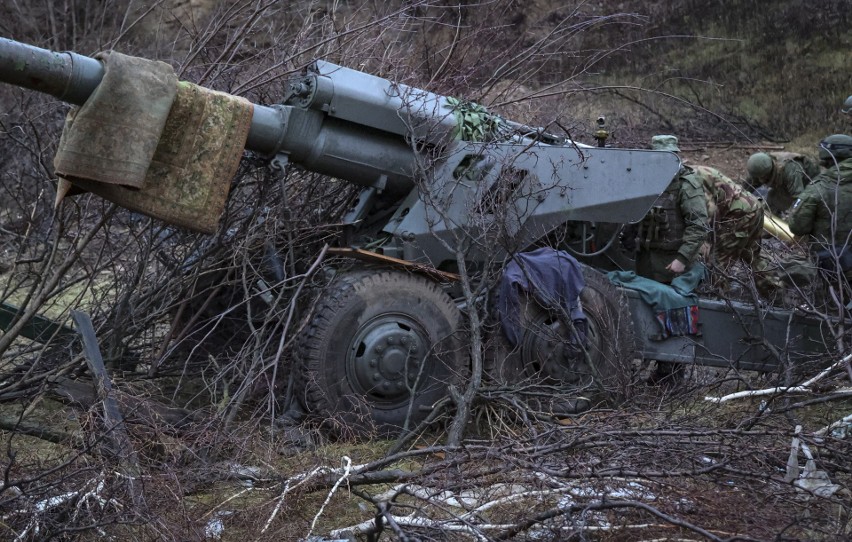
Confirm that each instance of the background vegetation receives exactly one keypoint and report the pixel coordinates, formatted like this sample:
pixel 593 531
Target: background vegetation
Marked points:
pixel 200 363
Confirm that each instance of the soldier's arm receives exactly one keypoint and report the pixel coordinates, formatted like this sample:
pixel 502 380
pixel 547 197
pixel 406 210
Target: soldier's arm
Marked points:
pixel 693 208
pixel 793 179
pixel 803 213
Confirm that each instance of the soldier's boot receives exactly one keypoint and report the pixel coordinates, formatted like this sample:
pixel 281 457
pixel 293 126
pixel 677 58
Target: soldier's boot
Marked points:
pixel 667 374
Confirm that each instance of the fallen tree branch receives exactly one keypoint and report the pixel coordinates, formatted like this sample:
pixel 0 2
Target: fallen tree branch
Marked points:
pixel 137 410
pixel 510 530
pixel 804 387
pixel 347 469
pixel 15 424
pixel 608 505
pixel 834 425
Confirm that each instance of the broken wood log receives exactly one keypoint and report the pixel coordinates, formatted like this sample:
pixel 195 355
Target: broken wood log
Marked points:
pixel 14 424
pixel 137 410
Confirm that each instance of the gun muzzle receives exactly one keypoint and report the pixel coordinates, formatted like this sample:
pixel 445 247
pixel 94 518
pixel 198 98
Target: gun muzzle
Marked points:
pixel 67 76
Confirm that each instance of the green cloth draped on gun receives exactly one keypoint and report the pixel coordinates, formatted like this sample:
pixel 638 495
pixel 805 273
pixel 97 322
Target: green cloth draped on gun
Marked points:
pixel 675 306
pixel 154 145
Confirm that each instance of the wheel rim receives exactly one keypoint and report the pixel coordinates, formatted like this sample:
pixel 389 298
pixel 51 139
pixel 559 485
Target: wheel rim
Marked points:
pixel 548 351
pixel 386 357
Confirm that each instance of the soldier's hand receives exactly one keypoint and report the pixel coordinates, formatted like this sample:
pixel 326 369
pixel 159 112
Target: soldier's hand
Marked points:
pixel 677 267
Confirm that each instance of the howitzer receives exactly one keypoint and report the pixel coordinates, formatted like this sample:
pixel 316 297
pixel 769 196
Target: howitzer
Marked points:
pixel 385 342
pixel 366 130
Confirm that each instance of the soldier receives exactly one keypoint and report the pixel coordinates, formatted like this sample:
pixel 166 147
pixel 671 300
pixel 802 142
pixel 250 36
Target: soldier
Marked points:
pixel 736 217
pixel 672 233
pixel 824 208
pixel 785 173
pixel 701 213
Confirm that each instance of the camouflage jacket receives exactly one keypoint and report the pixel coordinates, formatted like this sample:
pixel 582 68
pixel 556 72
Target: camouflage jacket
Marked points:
pixel 825 206
pixel 791 172
pixel 693 210
pixel 736 215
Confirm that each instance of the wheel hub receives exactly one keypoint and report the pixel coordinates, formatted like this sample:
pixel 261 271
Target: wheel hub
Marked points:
pixel 386 357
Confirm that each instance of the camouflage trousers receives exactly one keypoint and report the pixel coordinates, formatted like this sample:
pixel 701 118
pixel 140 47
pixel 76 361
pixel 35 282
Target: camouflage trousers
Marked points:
pixel 804 280
pixel 793 272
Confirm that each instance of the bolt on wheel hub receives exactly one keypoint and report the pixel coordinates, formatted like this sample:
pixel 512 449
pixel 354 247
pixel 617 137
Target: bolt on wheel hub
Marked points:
pixel 386 356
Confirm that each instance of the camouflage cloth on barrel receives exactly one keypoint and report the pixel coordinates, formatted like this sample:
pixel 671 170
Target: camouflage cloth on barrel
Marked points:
pixel 151 144
pixel 113 136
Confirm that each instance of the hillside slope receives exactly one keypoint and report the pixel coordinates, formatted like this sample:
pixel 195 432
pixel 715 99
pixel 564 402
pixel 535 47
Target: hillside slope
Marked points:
pixel 771 70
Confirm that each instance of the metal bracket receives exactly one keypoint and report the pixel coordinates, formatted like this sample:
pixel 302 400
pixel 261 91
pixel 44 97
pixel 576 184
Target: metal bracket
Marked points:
pixel 279 163
pixel 361 207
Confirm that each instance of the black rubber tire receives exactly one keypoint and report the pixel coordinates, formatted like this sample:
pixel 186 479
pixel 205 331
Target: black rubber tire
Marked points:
pixel 353 369
pixel 613 348
pixel 604 372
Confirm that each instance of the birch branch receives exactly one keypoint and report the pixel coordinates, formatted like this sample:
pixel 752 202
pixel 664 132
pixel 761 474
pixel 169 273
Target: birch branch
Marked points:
pixel 804 387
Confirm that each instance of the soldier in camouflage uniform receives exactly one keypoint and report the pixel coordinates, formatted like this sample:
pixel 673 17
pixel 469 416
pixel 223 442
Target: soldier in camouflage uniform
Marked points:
pixel 736 217
pixel 785 173
pixel 824 209
pixel 670 236
pixel 702 212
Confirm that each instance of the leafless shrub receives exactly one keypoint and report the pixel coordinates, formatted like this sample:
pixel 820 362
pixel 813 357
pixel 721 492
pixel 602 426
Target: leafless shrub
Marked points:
pixel 209 323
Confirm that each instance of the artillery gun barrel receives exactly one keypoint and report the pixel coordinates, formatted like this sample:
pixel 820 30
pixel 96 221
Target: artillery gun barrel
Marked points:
pixel 68 76
pixel 327 138
pixel 72 78
pixel 382 135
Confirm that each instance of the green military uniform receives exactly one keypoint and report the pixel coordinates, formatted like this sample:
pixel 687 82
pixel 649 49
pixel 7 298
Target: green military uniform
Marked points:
pixel 787 176
pixel 675 227
pixel 711 208
pixel 824 209
pixel 826 206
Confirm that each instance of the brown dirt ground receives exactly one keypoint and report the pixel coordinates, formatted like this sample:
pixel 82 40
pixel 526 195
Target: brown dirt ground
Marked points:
pixel 730 158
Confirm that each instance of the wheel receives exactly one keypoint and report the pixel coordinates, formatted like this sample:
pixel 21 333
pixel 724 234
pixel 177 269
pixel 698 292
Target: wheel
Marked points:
pixel 380 349
pixel 592 358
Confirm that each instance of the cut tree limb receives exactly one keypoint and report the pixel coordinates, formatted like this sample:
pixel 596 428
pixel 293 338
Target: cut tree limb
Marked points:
pixel 137 410
pixel 15 424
